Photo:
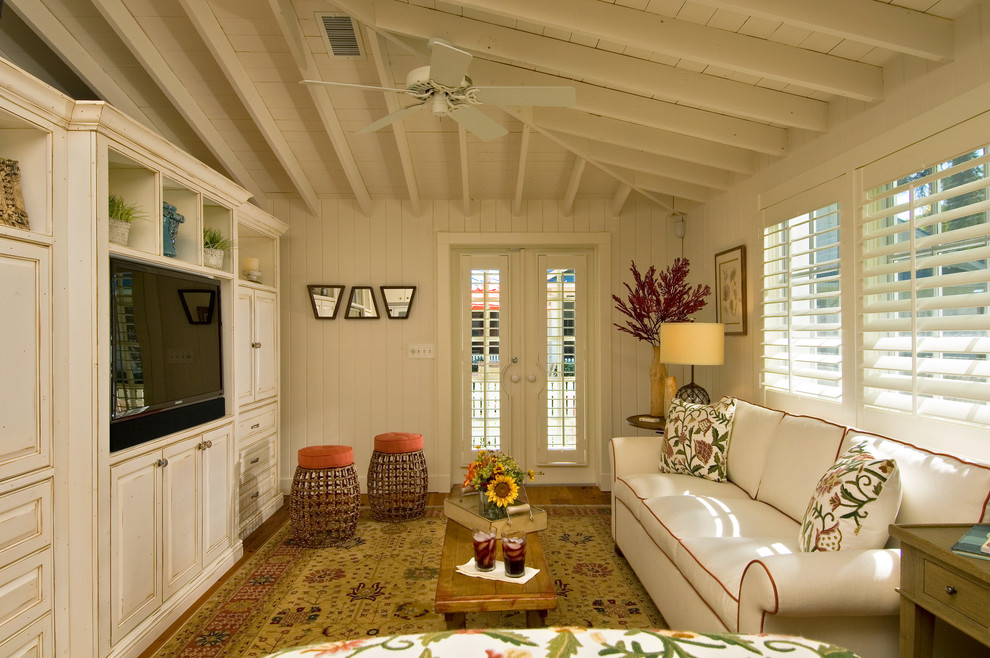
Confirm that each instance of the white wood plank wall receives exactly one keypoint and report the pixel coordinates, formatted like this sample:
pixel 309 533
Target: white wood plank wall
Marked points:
pixel 344 381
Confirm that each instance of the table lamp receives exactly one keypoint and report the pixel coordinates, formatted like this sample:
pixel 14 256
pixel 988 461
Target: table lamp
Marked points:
pixel 694 344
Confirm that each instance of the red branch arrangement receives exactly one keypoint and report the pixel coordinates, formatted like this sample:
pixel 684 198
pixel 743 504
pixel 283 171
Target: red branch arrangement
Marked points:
pixel 659 298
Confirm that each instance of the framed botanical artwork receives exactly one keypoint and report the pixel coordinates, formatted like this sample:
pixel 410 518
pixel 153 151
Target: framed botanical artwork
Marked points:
pixel 730 289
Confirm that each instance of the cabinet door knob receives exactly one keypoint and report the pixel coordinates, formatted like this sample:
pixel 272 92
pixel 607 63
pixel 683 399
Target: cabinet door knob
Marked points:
pixel 162 463
pixel 950 590
pixel 256 426
pixel 255 494
pixel 256 460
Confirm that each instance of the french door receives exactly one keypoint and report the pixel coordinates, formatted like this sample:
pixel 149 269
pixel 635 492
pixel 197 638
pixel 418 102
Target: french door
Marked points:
pixel 521 359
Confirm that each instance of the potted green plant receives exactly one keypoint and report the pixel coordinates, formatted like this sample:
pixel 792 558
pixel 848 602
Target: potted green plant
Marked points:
pixel 122 214
pixel 214 244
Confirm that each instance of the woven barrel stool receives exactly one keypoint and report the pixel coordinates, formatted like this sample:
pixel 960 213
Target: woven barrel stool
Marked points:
pixel 323 506
pixel 397 478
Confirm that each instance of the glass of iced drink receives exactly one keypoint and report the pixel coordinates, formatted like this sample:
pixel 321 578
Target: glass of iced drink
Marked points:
pixel 514 553
pixel 484 549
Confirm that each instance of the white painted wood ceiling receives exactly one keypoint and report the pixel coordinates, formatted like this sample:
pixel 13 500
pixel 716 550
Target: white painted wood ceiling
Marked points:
pixel 675 100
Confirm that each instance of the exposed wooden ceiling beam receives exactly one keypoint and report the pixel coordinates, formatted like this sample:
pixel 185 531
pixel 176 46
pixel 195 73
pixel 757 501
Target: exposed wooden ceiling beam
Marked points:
pixel 517 198
pixel 658 165
pixel 212 34
pixel 51 30
pixel 378 52
pixel 663 185
pixel 645 111
pixel 572 186
pixel 651 140
pixel 699 43
pixel 620 71
pixel 144 49
pixel 619 199
pixel 622 178
pixel 866 21
pixel 288 22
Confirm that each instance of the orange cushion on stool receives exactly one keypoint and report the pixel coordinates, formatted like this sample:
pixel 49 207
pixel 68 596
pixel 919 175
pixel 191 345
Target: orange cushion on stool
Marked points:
pixel 398 442
pixel 325 456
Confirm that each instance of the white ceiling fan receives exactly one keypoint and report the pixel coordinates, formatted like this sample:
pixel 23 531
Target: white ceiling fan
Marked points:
pixel 446 88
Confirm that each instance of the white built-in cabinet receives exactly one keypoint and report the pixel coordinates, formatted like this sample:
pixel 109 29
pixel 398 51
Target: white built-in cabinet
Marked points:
pixel 101 552
pixel 33 122
pixel 257 328
pixel 171 516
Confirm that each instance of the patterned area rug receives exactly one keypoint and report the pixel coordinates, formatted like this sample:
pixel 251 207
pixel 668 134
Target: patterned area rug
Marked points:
pixel 383 582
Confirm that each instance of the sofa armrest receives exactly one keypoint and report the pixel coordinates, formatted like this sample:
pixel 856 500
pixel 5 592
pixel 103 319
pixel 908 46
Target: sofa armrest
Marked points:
pixel 820 584
pixel 634 454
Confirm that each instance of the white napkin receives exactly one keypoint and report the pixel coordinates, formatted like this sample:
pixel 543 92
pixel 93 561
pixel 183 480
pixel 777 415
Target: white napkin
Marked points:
pixel 498 573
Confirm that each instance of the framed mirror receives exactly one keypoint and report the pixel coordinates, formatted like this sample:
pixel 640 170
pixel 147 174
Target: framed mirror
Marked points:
pixel 198 305
pixel 362 304
pixel 398 301
pixel 326 300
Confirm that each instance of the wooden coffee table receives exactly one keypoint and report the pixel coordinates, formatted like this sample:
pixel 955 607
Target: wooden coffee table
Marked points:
pixel 458 594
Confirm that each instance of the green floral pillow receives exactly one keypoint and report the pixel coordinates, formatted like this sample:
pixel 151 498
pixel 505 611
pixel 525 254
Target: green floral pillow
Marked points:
pixel 855 501
pixel 696 439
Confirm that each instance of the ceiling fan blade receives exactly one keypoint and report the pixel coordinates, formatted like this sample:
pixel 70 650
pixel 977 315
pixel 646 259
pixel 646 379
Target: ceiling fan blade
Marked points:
pixel 536 96
pixel 477 122
pixel 390 118
pixel 348 84
pixel 448 65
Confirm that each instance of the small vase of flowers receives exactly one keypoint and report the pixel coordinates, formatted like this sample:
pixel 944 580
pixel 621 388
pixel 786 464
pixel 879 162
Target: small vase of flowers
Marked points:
pixel 498 479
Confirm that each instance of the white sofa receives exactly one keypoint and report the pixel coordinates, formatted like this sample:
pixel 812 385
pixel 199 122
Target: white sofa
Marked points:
pixel 724 556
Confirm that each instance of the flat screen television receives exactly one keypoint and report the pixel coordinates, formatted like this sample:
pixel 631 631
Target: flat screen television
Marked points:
pixel 166 370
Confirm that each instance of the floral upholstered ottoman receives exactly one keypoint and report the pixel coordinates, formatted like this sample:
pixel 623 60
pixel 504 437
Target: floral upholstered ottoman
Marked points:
pixel 568 642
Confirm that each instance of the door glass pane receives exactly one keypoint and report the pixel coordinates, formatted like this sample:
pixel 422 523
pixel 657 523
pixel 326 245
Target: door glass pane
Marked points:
pixel 485 394
pixel 561 366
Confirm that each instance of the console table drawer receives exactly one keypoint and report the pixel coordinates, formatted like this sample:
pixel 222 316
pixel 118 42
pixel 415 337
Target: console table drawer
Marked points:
pixel 957 592
pixel 257 458
pixel 256 424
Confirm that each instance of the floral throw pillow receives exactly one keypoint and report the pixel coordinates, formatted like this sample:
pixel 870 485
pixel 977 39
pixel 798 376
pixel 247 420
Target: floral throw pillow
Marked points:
pixel 855 501
pixel 696 439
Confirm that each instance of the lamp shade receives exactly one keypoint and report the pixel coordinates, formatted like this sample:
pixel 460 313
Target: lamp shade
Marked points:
pixel 692 343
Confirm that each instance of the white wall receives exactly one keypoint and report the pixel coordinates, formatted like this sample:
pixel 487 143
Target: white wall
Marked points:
pixel 922 100
pixel 344 381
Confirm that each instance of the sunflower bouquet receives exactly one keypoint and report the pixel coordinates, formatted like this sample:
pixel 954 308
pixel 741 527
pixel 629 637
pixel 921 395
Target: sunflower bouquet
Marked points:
pixel 497 477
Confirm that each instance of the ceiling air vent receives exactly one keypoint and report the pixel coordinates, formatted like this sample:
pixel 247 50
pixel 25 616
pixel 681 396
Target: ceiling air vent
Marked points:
pixel 342 36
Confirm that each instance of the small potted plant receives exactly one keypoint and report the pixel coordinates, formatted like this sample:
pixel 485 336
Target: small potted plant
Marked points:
pixel 214 244
pixel 121 215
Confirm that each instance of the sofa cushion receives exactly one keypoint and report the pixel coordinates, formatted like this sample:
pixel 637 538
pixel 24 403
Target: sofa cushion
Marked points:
pixel 633 489
pixel 672 519
pixel 696 438
pixel 854 502
pixel 752 428
pixel 801 448
pixel 715 565
pixel 935 487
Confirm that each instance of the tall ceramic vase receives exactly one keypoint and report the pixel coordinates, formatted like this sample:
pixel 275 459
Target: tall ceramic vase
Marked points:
pixel 658 380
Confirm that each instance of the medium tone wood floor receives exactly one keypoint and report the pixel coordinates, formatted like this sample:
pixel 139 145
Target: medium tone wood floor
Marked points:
pixel 538 495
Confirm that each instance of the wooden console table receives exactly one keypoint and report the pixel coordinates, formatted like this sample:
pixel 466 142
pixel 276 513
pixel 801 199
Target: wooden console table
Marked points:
pixel 935 582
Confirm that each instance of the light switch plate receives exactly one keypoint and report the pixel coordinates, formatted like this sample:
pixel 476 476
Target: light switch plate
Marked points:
pixel 421 351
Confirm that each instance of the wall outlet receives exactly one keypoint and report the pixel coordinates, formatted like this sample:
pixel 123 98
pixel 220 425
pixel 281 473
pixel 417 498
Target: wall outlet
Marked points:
pixel 421 351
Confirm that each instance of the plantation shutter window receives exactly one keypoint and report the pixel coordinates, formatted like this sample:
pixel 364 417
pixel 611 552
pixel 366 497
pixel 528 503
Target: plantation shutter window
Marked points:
pixel 802 324
pixel 925 244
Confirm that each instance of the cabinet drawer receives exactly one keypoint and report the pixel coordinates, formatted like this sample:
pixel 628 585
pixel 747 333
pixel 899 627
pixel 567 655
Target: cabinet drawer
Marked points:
pixel 257 458
pixel 25 592
pixel 35 641
pixel 256 423
pixel 25 521
pixel 255 492
pixel 963 595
